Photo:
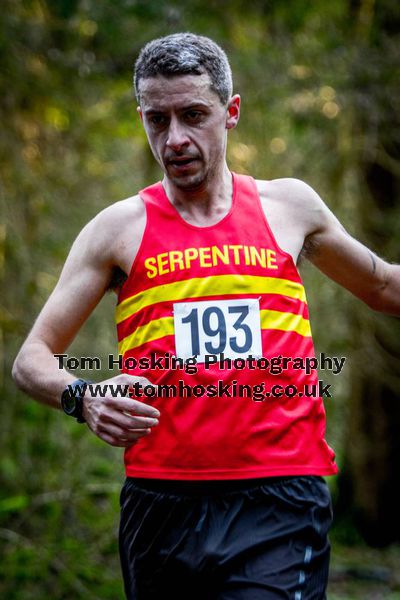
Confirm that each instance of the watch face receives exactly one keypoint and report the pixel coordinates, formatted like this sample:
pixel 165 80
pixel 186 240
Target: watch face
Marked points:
pixel 68 402
pixel 72 399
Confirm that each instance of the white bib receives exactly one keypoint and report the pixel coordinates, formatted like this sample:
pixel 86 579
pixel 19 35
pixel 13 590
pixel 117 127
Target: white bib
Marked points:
pixel 231 327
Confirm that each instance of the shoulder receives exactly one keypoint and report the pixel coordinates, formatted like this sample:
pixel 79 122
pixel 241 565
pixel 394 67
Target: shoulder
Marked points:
pixel 108 229
pixel 108 243
pixel 113 219
pixel 288 190
pixel 296 200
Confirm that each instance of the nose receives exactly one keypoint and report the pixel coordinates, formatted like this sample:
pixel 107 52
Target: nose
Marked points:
pixel 177 136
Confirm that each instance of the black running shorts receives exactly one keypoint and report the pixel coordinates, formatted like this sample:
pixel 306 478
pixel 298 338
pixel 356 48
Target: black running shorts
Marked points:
pixel 225 540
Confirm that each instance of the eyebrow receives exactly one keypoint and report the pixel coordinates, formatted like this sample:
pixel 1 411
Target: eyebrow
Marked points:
pixel 197 104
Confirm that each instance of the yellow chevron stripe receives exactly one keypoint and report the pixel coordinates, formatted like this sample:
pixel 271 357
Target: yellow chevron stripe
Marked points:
pixel 284 321
pixel 147 333
pixel 198 287
pixel 270 319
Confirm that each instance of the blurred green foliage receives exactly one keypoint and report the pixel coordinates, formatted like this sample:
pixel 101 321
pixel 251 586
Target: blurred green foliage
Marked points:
pixel 320 93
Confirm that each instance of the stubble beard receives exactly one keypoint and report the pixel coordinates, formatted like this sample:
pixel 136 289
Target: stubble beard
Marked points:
pixel 197 180
pixel 189 182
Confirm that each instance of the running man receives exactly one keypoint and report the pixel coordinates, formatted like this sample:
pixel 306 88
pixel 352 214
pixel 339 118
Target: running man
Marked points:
pixel 224 497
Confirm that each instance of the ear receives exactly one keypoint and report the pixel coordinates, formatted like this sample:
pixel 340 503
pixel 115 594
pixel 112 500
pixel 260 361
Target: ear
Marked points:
pixel 139 110
pixel 233 112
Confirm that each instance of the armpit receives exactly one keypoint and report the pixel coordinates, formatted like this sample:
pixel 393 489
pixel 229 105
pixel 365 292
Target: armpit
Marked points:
pixel 118 278
pixel 310 248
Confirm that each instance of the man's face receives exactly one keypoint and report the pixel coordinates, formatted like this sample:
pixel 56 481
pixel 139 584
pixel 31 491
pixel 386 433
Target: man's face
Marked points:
pixel 186 126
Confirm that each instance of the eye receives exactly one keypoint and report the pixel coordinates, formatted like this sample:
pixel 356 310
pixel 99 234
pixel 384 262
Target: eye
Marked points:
pixel 193 115
pixel 158 120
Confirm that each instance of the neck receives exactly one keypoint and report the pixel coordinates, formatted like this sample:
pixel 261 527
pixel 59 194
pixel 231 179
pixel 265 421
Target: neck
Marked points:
pixel 206 204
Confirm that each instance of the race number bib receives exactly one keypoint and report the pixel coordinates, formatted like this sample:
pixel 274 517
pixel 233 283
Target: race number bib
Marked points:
pixel 231 327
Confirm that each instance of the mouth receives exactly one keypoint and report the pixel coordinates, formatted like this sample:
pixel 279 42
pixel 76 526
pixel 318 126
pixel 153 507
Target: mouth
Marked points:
pixel 181 163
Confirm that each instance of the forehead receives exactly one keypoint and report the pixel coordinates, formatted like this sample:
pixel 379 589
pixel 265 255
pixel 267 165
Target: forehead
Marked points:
pixel 162 93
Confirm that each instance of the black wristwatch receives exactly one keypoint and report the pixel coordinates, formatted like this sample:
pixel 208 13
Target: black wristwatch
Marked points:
pixel 72 399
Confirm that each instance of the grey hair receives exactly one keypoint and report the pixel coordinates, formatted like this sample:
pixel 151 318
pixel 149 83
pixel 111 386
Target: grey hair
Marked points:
pixel 185 54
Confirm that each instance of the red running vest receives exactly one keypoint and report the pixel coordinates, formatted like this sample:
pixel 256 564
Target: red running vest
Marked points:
pixel 226 291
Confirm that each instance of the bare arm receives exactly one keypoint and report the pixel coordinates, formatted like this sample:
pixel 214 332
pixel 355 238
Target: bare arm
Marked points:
pixel 84 279
pixel 348 262
pixel 83 282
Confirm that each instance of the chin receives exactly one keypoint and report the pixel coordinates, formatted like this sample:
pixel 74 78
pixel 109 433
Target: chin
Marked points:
pixel 188 182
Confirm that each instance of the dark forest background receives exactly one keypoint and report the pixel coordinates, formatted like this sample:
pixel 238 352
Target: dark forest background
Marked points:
pixel 321 102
